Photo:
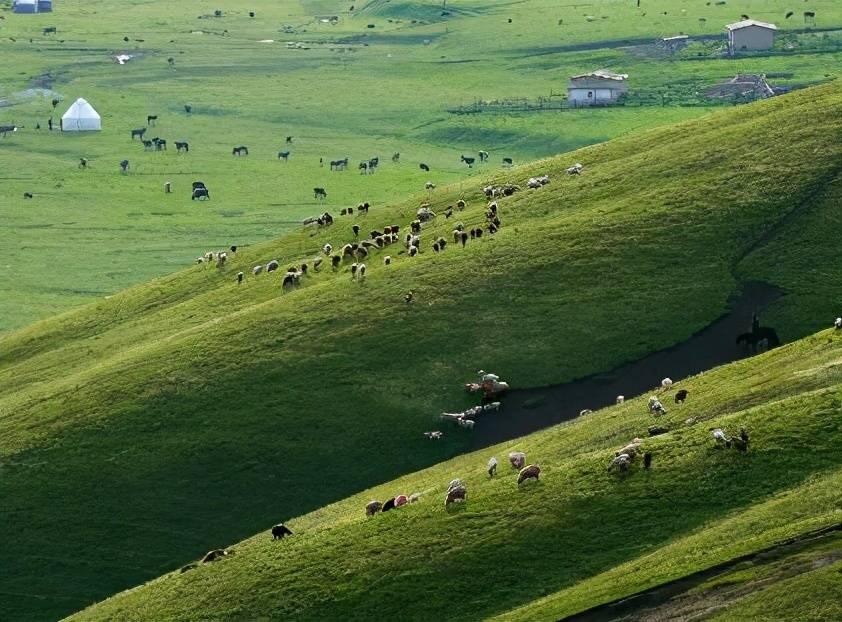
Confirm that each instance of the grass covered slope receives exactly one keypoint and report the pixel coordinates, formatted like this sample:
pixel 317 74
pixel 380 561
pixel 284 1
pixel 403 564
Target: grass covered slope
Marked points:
pixel 582 535
pixel 147 428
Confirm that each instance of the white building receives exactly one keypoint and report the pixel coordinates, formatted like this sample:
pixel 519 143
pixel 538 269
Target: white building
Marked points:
pixel 596 88
pixel 750 34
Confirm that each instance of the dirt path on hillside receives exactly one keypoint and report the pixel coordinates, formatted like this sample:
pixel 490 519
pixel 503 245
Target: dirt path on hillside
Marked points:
pixel 688 598
pixel 528 410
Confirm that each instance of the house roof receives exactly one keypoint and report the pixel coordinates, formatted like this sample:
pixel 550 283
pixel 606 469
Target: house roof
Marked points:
pixel 603 74
pixel 750 22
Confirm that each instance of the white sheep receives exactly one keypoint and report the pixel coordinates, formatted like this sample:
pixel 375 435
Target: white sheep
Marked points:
pixel 414 497
pixel 621 399
pixel 837 323
pixel 387 260
pixel 517 459
pixel 720 437
pixel 492 466
pixel 361 270
pixel 666 384
pixel 585 411
pixel 533 183
pixel 466 423
pixel 430 186
pixel 621 462
pixel 656 407
pixel 327 249
pixel 257 270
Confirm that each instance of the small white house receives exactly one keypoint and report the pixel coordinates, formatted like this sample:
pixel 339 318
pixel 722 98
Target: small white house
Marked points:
pixel 599 87
pixel 25 6
pixel 80 117
pixel 750 34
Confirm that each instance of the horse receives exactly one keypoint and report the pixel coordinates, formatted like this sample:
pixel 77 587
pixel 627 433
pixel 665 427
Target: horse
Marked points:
pixel 124 166
pixel 200 193
pixel 179 146
pixel 319 193
pixel 283 155
pixel 139 133
pixel 151 119
pixel 240 151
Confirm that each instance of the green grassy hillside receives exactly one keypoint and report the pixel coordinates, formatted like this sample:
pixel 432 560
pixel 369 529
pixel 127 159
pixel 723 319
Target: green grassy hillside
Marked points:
pixel 144 429
pixel 348 90
pixel 578 538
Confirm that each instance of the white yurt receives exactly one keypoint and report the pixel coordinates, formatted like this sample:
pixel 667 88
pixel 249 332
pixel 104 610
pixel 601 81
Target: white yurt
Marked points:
pixel 80 117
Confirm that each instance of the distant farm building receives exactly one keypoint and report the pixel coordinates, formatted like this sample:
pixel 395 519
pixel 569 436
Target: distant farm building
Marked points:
pixel 742 87
pixel 25 6
pixel 45 6
pixel 80 117
pixel 597 88
pixel 750 34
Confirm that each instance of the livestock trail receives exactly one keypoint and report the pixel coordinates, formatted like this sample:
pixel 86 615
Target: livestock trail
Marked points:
pixel 218 81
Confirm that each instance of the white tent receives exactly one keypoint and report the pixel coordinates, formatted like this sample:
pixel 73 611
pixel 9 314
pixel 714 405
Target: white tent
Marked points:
pixel 80 117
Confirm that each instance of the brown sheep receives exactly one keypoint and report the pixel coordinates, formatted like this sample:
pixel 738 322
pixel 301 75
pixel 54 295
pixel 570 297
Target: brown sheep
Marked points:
pixel 530 472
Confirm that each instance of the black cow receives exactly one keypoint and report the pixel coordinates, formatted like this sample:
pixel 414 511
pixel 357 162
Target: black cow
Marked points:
pixel 283 155
pixel 152 119
pixel 319 193
pixel 182 146
pixel 240 151
pixel 139 133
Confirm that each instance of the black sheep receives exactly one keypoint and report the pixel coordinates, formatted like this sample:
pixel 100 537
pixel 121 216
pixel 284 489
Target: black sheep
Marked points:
pixel 335 261
pixel 356 230
pixel 279 531
pixel 647 460
pixel 680 396
pixel 464 238
pixel 389 505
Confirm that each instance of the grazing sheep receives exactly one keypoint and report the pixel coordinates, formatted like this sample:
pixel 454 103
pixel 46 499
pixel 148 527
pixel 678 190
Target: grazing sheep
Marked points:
pixel 272 265
pixel 621 399
pixel 327 249
pixel 584 412
pixel 492 228
pixel 647 460
pixel 348 250
pixel 464 238
pixel 415 497
pixel 335 261
pixel 413 251
pixel 533 183
pixel 492 466
pixel 680 396
pixel 372 507
pixel 212 556
pixel 435 247
pixel 457 492
pixel 457 235
pixel 434 435
pixel 401 500
pixel 460 205
pixel 576 169
pixel 739 444
pixel 655 406
pixel 280 531
pixel 621 463
pixel 409 297
pixel 720 437
pixel 239 277
pixel 361 270
pixel 517 459
pixel 466 423
pixel 317 264
pixel 837 323
pixel 389 505
pixel 630 450
pixel 354 270
pixel 220 259
pixel 530 472
pixel 666 384
pixel 362 252
pixel 655 430
pixel 429 186
pixel 387 260
pixel 356 230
